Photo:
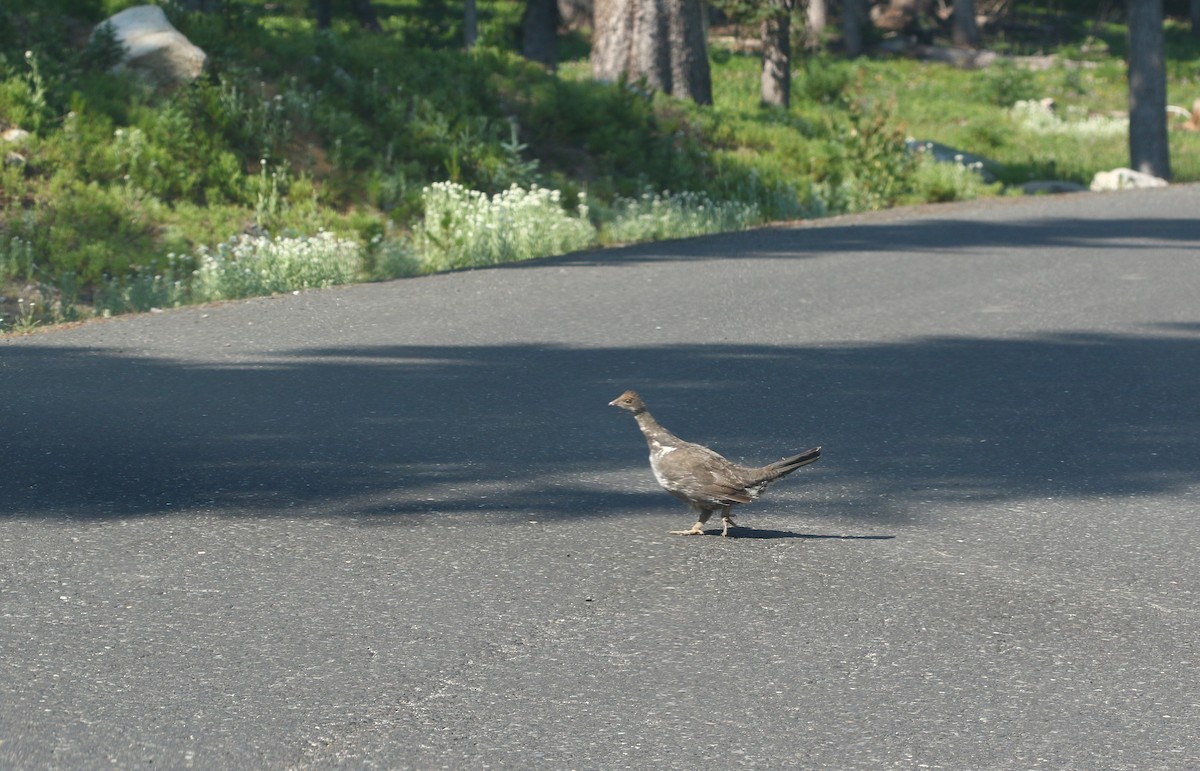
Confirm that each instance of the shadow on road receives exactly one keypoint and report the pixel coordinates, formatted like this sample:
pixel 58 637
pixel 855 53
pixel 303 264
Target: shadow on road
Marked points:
pixel 757 533
pixel 919 235
pixel 399 431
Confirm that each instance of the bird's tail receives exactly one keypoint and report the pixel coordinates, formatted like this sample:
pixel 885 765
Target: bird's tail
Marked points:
pixel 786 466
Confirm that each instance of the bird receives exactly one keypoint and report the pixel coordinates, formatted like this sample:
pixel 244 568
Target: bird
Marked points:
pixel 700 477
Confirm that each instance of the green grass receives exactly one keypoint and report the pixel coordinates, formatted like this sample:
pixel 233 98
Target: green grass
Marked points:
pixel 120 197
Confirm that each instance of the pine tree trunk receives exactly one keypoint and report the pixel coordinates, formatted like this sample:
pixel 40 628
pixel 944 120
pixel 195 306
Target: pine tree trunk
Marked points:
pixel 690 74
pixel 650 56
pixel 815 18
pixel 966 31
pixel 660 41
pixel 612 38
pixel 470 24
pixel 853 15
pixel 539 28
pixel 777 55
pixel 1149 151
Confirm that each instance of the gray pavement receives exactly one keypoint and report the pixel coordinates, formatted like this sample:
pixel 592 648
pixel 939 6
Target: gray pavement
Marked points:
pixel 397 526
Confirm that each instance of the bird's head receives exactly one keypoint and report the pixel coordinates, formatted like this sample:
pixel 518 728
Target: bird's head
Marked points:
pixel 629 401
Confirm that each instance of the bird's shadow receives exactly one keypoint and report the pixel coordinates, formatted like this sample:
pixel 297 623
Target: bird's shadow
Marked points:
pixel 760 533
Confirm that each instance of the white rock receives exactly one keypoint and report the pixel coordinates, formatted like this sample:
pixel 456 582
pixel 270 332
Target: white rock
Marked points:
pixel 1125 179
pixel 154 48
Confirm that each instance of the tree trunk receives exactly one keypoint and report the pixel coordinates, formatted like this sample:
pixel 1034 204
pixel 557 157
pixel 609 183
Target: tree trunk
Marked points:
pixel 470 24
pixel 1194 17
pixel 539 32
pixel 690 74
pixel 777 55
pixel 815 16
pixel 574 14
pixel 853 14
pixel 660 41
pixel 650 56
pixel 616 41
pixel 966 31
pixel 611 33
pixel 1149 151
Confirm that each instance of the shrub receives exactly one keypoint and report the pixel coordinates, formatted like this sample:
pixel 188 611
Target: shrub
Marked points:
pixel 655 216
pixel 825 80
pixel 1037 119
pixel 1005 83
pixel 16 258
pixel 467 228
pixel 936 181
pixel 391 257
pixel 91 231
pixel 142 290
pixel 23 94
pixel 874 168
pixel 250 266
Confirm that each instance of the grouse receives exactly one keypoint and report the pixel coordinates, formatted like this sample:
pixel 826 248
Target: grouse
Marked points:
pixel 700 477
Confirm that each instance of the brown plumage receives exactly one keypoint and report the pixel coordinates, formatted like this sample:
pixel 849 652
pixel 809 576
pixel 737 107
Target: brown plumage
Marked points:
pixel 700 477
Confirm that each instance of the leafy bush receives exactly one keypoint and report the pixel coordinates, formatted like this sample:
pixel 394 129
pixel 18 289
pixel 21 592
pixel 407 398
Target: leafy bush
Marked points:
pixel 936 181
pixel 654 216
pixel 243 266
pixel 90 231
pixel 468 228
pixel 142 290
pixel 16 258
pixel 1005 83
pixel 389 256
pixel 874 168
pixel 1035 118
pixel 23 94
pixel 825 80
pixel 249 266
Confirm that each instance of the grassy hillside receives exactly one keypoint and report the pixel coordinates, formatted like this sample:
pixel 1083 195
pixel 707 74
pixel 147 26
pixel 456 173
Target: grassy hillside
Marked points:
pixel 304 158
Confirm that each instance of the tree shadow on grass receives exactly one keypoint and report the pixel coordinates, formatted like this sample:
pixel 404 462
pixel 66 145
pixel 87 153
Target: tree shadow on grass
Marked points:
pixel 434 430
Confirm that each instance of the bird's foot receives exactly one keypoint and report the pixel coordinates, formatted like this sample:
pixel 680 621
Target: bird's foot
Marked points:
pixel 726 524
pixel 697 529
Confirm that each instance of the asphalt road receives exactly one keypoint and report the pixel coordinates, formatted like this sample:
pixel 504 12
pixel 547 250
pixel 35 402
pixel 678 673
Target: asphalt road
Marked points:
pixel 396 525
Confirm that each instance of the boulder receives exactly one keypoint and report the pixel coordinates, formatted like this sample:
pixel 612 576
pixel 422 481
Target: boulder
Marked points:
pixel 154 48
pixel 1125 179
pixel 14 135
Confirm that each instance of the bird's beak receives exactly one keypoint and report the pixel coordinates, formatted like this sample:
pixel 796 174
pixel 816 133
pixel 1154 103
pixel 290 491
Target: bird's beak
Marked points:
pixel 613 403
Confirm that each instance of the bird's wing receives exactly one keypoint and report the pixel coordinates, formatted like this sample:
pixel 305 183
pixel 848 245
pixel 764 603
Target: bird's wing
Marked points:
pixel 697 473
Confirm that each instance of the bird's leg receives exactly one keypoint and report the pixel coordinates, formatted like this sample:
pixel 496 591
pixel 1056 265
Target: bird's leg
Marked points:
pixel 726 521
pixel 698 528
